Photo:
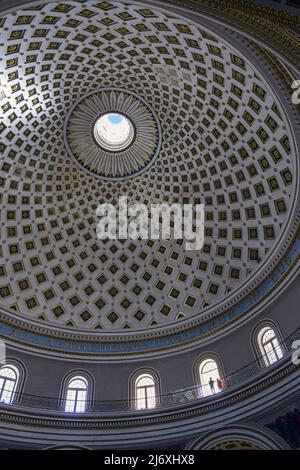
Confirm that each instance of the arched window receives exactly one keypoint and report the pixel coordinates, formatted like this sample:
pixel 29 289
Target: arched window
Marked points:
pixel 9 376
pixel 269 345
pixel 209 377
pixel 76 397
pixel 145 392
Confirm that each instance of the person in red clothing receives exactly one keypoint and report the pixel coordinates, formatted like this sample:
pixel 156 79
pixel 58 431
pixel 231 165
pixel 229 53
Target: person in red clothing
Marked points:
pixel 220 384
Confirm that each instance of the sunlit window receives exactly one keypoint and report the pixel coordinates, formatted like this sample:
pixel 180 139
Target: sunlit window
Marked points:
pixel 269 345
pixel 113 132
pixel 76 397
pixel 209 377
pixel 145 392
pixel 8 381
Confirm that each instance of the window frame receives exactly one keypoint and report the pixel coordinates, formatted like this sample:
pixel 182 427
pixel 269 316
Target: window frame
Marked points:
pixel 22 376
pixel 274 343
pixel 148 392
pixel 256 341
pixel 199 363
pixel 89 398
pixel 133 395
pixel 76 401
pixel 15 381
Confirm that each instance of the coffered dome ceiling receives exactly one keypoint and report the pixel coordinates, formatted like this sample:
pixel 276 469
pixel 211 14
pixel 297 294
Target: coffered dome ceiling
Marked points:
pixel 226 143
pixel 138 147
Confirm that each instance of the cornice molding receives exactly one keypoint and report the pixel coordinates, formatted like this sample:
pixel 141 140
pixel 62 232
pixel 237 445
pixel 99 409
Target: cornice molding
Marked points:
pixel 236 395
pixel 185 422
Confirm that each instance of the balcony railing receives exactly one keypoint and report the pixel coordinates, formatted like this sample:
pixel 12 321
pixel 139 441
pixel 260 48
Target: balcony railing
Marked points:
pixel 195 394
